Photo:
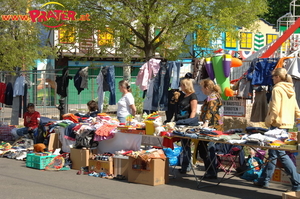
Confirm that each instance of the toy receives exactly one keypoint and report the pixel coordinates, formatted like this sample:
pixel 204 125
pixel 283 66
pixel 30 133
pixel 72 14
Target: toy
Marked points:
pixel 219 67
pixel 158 126
pixel 175 97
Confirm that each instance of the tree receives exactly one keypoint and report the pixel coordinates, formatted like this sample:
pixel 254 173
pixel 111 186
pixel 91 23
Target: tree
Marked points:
pixel 21 43
pixel 141 28
pixel 276 10
pixel 148 26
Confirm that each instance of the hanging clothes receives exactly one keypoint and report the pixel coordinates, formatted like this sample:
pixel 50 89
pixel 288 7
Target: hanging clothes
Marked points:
pixel 9 94
pixel 108 73
pixel 2 92
pixel 63 83
pixel 77 81
pixel 146 72
pixel 260 106
pixel 292 66
pixel 260 71
pixel 19 86
pixel 84 75
pixel 100 92
pixel 161 86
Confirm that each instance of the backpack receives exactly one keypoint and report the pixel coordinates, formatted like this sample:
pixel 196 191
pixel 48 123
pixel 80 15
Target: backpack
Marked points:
pixel 254 168
pixel 85 139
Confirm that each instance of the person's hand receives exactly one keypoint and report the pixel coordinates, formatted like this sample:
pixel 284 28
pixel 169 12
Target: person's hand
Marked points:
pixel 29 128
pixel 28 119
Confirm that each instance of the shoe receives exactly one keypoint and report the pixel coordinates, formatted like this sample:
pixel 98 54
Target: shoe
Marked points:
pixel 182 171
pixel 256 183
pixel 209 176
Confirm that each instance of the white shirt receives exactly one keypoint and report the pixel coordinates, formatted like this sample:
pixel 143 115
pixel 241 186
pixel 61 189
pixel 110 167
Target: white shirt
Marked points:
pixel 123 105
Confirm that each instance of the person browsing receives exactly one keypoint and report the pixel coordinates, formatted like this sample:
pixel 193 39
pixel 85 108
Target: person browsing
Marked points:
pixel 126 104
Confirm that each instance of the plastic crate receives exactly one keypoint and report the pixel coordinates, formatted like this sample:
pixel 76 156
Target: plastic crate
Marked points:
pixel 37 161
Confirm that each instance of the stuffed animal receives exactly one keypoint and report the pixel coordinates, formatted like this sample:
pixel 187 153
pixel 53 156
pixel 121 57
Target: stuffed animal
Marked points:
pixel 158 126
pixel 170 126
pixel 175 97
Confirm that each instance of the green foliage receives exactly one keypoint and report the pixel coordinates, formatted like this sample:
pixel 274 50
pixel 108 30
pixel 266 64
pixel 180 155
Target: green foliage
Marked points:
pixel 133 23
pixel 20 40
pixel 138 100
pixel 277 9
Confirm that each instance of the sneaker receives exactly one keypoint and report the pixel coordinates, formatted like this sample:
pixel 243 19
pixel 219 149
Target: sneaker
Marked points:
pixel 21 156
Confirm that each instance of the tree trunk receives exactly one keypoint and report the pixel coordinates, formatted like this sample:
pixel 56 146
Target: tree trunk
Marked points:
pixel 127 72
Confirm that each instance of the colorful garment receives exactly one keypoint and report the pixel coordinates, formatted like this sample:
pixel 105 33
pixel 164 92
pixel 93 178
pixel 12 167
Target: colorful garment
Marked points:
pixel 212 111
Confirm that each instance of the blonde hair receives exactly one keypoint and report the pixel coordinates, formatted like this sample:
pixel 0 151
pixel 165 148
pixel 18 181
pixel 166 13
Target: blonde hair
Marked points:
pixel 207 83
pixel 282 74
pixel 125 84
pixel 188 85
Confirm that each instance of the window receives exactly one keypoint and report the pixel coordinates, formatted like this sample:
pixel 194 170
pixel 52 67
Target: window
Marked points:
pixel 66 35
pixel 286 45
pixel 229 41
pixel 271 37
pixel 202 38
pixel 105 38
pixel 246 40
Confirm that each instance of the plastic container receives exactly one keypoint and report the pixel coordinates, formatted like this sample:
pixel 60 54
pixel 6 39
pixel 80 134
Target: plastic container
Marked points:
pixel 149 127
pixel 37 161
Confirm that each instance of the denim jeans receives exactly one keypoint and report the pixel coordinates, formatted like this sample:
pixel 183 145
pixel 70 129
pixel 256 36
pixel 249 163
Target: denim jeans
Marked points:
pixel 175 77
pixel 122 119
pixel 288 166
pixel 24 131
pixel 161 87
pixel 111 83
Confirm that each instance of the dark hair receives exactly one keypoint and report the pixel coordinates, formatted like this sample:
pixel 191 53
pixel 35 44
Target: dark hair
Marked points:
pixel 30 105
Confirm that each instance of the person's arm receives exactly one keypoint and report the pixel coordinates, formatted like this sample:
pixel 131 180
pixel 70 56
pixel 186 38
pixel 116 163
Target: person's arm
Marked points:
pixel 193 108
pixel 133 109
pixel 274 108
pixel 209 113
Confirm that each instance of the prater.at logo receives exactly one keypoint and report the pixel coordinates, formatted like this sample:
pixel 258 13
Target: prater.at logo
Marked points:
pixel 44 16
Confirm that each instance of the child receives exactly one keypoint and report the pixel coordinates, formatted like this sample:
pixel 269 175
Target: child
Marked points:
pixel 31 122
pixel 93 108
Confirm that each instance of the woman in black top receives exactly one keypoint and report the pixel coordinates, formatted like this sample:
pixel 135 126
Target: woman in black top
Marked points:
pixel 187 107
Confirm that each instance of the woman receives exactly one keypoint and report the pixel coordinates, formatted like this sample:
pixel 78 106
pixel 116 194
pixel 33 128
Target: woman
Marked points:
pixel 211 116
pixel 126 103
pixel 283 109
pixel 187 107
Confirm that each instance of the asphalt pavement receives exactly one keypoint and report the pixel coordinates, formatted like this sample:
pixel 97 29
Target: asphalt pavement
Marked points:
pixel 18 181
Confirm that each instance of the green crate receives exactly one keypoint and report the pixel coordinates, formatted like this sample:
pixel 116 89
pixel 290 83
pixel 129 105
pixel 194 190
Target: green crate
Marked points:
pixel 38 162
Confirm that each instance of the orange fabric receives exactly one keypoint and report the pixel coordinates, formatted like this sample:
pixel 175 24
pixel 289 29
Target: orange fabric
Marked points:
pixel 105 129
pixel 280 62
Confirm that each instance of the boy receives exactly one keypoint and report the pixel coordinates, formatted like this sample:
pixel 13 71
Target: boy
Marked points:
pixel 31 122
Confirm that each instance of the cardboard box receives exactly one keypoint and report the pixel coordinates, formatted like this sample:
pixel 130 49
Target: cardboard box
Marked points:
pixel 158 170
pixel 280 177
pixel 54 142
pixel 80 158
pixel 291 195
pixel 101 166
pixel 121 165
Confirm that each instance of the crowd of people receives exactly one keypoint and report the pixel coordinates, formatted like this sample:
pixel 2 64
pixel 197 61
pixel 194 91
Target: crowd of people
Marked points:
pixel 282 104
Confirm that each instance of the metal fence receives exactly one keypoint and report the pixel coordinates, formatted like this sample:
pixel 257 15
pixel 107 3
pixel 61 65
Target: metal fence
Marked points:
pixel 42 91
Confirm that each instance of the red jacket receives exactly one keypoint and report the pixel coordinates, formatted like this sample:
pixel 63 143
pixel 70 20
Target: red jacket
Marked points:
pixel 34 119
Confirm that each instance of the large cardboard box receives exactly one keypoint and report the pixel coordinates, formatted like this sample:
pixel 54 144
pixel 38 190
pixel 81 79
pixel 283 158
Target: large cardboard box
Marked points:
pixel 54 142
pixel 80 158
pixel 156 174
pixel 101 166
pixel 121 166
pixel 291 195
pixel 280 177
